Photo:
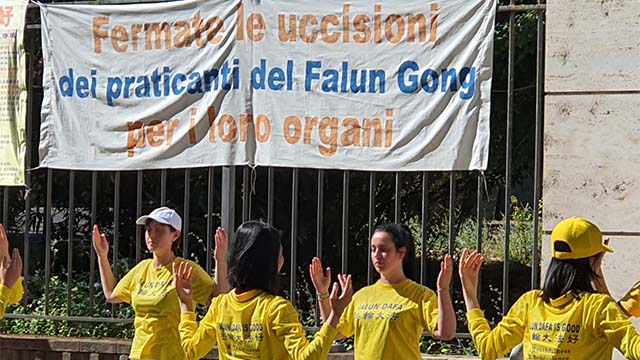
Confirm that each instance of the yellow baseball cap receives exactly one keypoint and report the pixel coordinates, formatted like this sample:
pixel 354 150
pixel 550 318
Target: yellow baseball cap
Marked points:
pixel 583 238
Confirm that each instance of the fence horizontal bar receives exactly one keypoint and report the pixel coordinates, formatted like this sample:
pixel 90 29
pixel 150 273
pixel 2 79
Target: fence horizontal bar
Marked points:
pixel 521 8
pixel 68 318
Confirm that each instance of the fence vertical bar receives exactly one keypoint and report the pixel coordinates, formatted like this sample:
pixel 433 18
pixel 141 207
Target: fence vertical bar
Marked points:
pixel 479 224
pixel 345 221
pixel 70 239
pixel 270 186
pixel 537 177
pixel 27 179
pixel 92 261
pixel 25 242
pixel 228 199
pixel 424 224
pixel 372 216
pixel 507 181
pixel 116 229
pixel 210 230
pixel 139 230
pixel 47 241
pixel 397 199
pixel 452 212
pixel 319 221
pixel 116 221
pixel 186 214
pixel 163 187
pixel 294 236
pixel 479 214
pixel 5 207
pixel 319 213
pixel 246 193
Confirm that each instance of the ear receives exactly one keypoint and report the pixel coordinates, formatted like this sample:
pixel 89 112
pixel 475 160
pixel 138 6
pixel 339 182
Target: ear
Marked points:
pixel 402 252
pixel 176 235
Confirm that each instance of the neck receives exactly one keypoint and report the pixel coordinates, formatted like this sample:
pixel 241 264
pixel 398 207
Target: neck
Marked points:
pixel 160 260
pixel 392 277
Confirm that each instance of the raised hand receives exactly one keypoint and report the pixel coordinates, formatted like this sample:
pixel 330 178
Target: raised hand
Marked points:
pixel 11 269
pixel 446 273
pixel 321 279
pixel 340 302
pixel 469 269
pixel 182 284
pixel 100 243
pixel 222 245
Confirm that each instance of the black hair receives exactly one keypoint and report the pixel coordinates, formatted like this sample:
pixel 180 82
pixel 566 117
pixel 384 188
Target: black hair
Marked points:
pixel 564 275
pixel 175 244
pixel 402 238
pixel 253 258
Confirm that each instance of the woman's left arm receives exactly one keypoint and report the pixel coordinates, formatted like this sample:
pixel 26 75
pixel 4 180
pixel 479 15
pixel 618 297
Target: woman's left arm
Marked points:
pixel 220 255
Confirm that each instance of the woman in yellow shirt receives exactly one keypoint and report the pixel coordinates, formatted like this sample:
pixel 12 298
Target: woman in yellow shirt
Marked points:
pixel 388 318
pixel 148 287
pixel 11 289
pixel 568 319
pixel 252 321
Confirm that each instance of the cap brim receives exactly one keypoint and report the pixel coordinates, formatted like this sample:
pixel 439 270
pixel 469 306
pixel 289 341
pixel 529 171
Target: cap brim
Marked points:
pixel 143 219
pixel 607 248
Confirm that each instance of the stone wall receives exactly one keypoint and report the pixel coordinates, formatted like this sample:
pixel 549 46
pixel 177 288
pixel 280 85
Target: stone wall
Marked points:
pixel 592 126
pixel 25 347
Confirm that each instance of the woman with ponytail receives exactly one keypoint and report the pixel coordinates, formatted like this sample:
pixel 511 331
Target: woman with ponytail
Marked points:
pixel 387 319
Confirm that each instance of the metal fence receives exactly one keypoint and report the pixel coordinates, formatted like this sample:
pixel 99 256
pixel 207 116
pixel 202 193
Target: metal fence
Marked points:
pixel 324 213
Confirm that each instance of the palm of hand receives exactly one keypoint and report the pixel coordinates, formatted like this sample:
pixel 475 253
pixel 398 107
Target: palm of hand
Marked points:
pixel 184 289
pixel 321 281
pixel 103 247
pixel 100 243
pixel 222 244
pixel 446 272
pixel 469 278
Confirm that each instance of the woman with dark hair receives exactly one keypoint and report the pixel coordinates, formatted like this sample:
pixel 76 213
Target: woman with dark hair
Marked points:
pixel 252 321
pixel 388 318
pixel 148 287
pixel 569 318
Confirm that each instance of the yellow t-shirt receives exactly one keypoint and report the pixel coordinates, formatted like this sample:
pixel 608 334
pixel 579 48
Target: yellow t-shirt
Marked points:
pixel 388 320
pixel 252 325
pixel 151 293
pixel 10 296
pixel 564 329
pixel 631 301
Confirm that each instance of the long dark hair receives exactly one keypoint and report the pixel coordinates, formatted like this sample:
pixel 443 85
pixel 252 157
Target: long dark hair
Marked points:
pixel 253 258
pixel 402 238
pixel 564 275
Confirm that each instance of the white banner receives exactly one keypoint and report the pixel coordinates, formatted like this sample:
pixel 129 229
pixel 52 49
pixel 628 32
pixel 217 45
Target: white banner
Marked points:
pixel 387 85
pixel 13 92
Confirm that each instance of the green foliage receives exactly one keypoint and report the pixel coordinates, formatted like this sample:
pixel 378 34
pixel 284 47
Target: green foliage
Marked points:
pixel 493 235
pixel 58 305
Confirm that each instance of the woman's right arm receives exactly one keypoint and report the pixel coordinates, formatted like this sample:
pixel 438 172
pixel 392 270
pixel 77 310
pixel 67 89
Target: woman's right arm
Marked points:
pixel 491 344
pixel 616 327
pixel 107 279
pixel 196 340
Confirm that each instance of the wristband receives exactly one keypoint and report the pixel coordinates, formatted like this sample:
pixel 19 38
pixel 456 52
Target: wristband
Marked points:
pixel 322 296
